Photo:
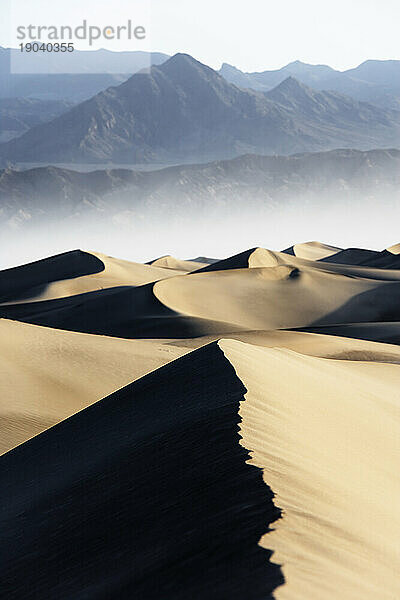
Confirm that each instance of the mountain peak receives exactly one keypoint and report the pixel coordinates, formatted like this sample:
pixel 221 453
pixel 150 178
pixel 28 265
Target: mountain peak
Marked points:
pixel 183 67
pixel 184 62
pixel 297 63
pixel 303 69
pixel 227 67
pixel 380 72
pixel 180 58
pixel 291 84
pixel 292 92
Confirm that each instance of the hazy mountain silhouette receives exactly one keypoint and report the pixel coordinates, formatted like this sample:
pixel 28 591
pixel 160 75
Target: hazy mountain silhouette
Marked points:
pixel 27 197
pixel 266 80
pixel 374 81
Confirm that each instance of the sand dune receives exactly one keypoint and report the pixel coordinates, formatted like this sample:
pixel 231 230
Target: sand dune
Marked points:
pixel 370 264
pixel 394 249
pixel 315 344
pixel 47 375
pixel 74 273
pixel 152 493
pixel 365 258
pixel 255 257
pixel 18 282
pixel 382 265
pixel 170 262
pixel 338 534
pixel 287 292
pixel 146 494
pixel 353 256
pixel 315 251
pixel 312 250
pixel 330 459
pixel 128 312
pixel 280 297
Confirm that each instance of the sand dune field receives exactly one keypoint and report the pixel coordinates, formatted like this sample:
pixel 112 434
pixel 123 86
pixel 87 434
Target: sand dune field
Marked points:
pixel 201 428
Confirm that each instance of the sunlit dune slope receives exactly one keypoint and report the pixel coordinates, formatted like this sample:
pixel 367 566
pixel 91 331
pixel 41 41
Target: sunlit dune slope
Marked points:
pixel 280 297
pixel 312 250
pixel 327 434
pixel 394 249
pixel 47 375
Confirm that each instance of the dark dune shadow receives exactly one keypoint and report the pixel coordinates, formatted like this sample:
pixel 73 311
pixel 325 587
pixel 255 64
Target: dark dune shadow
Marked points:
pixel 386 332
pixel 23 282
pixel 385 260
pixel 205 259
pixel 128 312
pixel 381 304
pixel 145 495
pixel 352 256
pixel 289 250
pixel 239 261
pixel 365 258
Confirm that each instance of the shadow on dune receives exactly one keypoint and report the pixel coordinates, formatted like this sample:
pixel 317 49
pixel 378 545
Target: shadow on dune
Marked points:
pixel 128 312
pixel 146 494
pixel 365 258
pixel 380 304
pixel 22 282
pixel 386 332
pixel 238 261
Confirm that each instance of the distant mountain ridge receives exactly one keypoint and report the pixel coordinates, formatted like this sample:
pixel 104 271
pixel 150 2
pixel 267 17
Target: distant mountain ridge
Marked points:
pixel 17 115
pixel 184 111
pixel 28 197
pixel 374 81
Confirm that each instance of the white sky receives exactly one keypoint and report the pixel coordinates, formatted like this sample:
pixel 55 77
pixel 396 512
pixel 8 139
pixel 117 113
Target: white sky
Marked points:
pixel 252 35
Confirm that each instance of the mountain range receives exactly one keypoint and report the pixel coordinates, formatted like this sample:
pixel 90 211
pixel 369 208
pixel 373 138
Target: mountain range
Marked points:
pixel 374 81
pixel 17 115
pixel 184 111
pixel 27 197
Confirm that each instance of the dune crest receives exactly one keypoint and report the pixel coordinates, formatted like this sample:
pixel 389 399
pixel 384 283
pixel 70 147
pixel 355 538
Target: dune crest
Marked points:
pixel 255 257
pixel 313 250
pixel 394 249
pixel 170 262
